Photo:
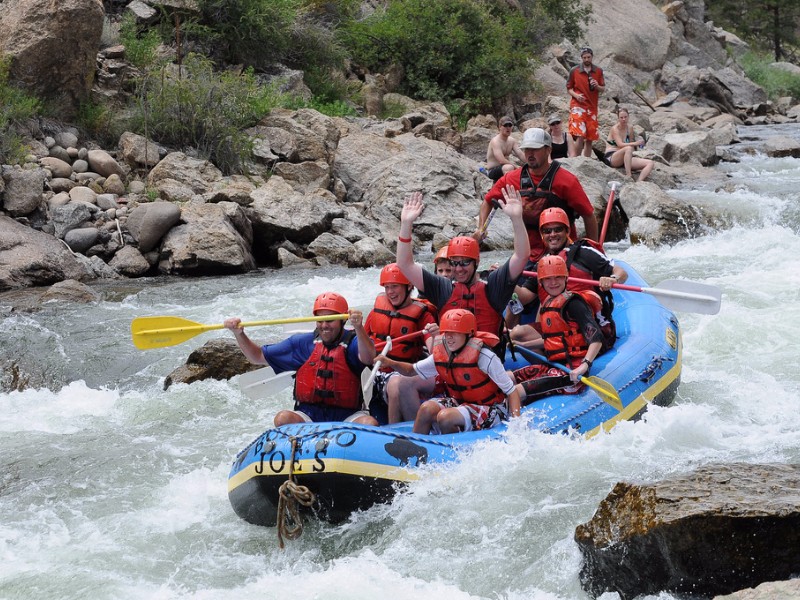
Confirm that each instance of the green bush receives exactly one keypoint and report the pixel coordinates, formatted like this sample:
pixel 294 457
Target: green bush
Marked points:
pixel 140 44
pixel 469 49
pixel 203 109
pixel 15 107
pixel 776 82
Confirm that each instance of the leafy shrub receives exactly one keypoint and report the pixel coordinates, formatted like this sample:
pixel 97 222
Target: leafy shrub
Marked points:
pixel 449 48
pixel 776 82
pixel 203 109
pixel 140 44
pixel 15 107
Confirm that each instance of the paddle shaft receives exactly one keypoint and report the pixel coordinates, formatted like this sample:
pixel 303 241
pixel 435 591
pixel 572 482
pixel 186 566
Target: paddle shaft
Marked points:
pixel 400 338
pixel 488 220
pixel 200 328
pixel 609 210
pixel 645 290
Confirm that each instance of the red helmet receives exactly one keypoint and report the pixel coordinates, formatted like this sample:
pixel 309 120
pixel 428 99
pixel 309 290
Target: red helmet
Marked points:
pixel 550 216
pixel 440 255
pixel 464 246
pixel 458 320
pixel 551 266
pixel 330 301
pixel 391 273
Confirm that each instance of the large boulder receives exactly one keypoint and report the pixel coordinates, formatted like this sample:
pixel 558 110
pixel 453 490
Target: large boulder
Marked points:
pixel 719 529
pixel 380 173
pixel 215 239
pixel 217 359
pixel 148 223
pixel 194 174
pixel 53 46
pixel 31 258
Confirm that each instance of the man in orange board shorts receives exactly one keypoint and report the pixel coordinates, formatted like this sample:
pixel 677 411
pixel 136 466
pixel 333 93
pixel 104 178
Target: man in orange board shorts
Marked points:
pixel 584 84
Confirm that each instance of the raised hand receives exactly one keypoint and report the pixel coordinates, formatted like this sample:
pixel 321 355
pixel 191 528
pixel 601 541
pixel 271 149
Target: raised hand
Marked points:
pixel 512 201
pixel 412 208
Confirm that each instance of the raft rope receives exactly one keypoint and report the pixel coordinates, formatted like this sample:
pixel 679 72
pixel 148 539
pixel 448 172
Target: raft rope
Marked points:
pixel 290 496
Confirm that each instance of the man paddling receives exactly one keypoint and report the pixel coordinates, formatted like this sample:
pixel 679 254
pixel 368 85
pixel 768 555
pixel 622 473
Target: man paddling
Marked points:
pixel 328 361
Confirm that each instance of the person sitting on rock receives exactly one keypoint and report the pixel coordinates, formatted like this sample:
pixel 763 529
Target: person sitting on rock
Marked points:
pixel 621 143
pixel 328 361
pixel 479 392
pixel 501 147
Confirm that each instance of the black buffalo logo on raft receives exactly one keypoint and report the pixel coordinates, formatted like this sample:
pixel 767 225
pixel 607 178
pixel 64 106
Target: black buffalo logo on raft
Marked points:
pixel 405 451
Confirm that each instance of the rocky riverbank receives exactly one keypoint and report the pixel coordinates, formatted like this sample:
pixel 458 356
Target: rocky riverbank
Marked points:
pixel 323 190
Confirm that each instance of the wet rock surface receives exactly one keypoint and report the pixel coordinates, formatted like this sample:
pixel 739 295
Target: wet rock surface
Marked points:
pixel 714 531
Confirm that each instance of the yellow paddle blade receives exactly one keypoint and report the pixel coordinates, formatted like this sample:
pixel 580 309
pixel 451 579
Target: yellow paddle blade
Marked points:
pixel 160 332
pixel 605 390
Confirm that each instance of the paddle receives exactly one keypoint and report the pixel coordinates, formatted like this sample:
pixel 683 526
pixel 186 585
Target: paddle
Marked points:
pixel 609 210
pixel 674 294
pixel 482 230
pixel 264 382
pixel 400 338
pixel 159 332
pixel 368 377
pixel 604 389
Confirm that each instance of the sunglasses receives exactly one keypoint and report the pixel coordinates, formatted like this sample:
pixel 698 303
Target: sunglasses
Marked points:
pixel 548 230
pixel 508 124
pixel 461 263
pixel 556 123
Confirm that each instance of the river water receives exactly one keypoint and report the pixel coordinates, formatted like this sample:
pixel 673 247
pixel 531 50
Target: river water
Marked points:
pixel 113 488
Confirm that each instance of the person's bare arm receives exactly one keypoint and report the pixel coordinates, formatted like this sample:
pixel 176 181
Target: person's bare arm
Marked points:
pixel 412 209
pixel 366 347
pixel 404 368
pixel 249 348
pixel 512 206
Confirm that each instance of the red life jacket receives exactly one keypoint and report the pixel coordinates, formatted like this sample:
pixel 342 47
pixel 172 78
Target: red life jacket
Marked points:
pixel 464 380
pixel 474 299
pixel 536 198
pixel 390 321
pixel 563 340
pixel 326 377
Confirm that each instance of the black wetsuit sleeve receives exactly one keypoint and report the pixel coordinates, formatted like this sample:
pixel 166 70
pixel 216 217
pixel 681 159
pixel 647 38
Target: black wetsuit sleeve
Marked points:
pixel 579 311
pixel 437 289
pixel 500 287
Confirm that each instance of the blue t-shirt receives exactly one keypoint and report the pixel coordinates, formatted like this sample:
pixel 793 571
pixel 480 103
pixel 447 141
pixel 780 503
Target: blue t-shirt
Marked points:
pixel 294 351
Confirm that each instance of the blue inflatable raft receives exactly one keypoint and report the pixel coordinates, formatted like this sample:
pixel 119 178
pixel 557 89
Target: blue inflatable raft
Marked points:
pixel 350 467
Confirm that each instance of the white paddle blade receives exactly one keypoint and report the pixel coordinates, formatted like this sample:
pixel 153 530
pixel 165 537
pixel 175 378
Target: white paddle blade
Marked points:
pixel 688 296
pixel 368 377
pixel 264 382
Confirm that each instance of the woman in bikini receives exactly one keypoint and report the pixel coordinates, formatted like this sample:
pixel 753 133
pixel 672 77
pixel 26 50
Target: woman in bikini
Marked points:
pixel 620 145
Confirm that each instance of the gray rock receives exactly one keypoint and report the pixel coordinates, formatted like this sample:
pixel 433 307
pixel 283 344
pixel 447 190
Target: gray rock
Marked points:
pixel 60 184
pixel 67 139
pixel 70 216
pixel 780 146
pixel 305 177
pixel 717 530
pixel 81 238
pixel 59 168
pixel 113 185
pixel 60 153
pixel 368 252
pixel 288 260
pixel 148 223
pixel 82 193
pixel 130 262
pixel 138 151
pixel 70 290
pixel 107 201
pixel 216 359
pixel 210 242
pixel 142 12
pixel 80 166
pixel 334 248
pixel 23 191
pixel 30 258
pixel 191 173
pixel 103 163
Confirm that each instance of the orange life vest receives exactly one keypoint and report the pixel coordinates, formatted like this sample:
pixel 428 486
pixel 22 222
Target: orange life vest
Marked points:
pixel 464 380
pixel 390 321
pixel 326 377
pixel 474 299
pixel 563 340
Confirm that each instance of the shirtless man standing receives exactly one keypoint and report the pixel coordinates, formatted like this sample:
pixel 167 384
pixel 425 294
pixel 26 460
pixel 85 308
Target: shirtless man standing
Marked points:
pixel 500 149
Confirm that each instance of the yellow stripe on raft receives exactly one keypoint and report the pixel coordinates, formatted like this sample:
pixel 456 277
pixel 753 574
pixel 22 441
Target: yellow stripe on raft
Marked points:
pixel 643 399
